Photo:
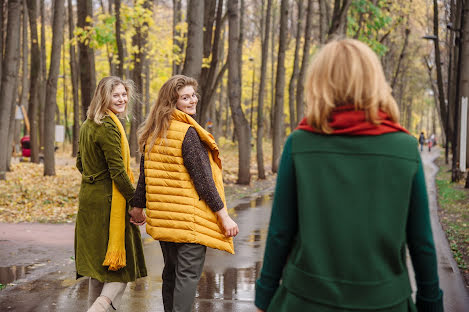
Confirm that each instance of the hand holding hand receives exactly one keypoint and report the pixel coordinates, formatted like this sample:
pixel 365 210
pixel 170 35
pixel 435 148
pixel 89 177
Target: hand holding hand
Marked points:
pixel 229 227
pixel 137 216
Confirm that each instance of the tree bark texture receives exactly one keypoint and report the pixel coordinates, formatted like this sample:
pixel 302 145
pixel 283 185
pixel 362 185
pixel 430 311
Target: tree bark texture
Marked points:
pixel 194 51
pixel 86 58
pixel 260 104
pixel 138 41
pixel 51 90
pixel 338 24
pixel 120 47
pixel 9 77
pixel 74 80
pixel 278 134
pixel 42 89
pixel 304 62
pixel 294 76
pixel 178 43
pixel 241 124
pixel 34 76
pixel 209 74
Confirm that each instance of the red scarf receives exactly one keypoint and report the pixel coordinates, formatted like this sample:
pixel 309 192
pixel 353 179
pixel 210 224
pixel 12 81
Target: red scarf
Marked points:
pixel 345 120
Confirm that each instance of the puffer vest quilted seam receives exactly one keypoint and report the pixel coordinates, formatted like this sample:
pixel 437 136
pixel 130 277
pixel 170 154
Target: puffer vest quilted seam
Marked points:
pixel 175 211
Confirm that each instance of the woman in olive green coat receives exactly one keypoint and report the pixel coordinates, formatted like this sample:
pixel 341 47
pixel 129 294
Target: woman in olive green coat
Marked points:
pixel 103 162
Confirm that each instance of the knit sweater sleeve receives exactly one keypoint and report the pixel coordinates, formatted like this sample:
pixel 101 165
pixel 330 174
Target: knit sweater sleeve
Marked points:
pixel 422 248
pixel 139 199
pixel 197 163
pixel 282 230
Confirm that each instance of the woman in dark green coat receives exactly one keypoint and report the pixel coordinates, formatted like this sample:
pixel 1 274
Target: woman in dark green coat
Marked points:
pixel 108 245
pixel 350 199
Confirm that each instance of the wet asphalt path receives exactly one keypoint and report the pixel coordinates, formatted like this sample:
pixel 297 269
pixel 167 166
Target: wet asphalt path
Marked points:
pixel 46 281
pixel 35 258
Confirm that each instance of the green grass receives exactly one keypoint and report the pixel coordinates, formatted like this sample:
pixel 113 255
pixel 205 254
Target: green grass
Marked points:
pixel 453 201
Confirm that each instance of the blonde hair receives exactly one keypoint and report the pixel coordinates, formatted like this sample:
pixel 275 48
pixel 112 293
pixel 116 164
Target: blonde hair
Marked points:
pixel 346 72
pixel 102 97
pixel 157 122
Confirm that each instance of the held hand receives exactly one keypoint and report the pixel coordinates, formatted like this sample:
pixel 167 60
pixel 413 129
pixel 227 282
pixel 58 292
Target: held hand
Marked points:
pixel 229 227
pixel 137 216
pixel 259 310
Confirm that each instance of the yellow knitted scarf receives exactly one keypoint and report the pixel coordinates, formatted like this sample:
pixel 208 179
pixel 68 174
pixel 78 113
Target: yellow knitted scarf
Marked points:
pixel 115 255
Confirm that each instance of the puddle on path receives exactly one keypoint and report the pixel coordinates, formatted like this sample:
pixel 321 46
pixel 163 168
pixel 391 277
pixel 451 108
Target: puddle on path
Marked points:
pixel 13 273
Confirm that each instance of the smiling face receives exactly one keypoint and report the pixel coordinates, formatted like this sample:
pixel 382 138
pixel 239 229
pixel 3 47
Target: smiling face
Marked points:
pixel 119 99
pixel 187 101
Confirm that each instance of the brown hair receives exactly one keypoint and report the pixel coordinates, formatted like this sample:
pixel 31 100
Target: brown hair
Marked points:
pixel 102 97
pixel 346 72
pixel 157 122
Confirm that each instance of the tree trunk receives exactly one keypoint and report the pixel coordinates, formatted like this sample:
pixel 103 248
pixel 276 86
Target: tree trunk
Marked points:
pixel 234 88
pixel 464 70
pixel 25 55
pixel 294 76
pixel 138 41
pixel 260 104
pixel 401 57
pixel 51 91
pixel 34 76
pixel 323 21
pixel 304 62
pixel 86 58
pixel 339 18
pixel 42 90
pixel 178 43
pixel 194 51
pixel 9 76
pixel 74 79
pixel 278 133
pixel 2 32
pixel 120 47
pixel 209 76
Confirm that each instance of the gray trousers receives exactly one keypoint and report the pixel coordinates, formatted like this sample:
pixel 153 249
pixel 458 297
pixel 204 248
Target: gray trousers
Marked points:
pixel 183 265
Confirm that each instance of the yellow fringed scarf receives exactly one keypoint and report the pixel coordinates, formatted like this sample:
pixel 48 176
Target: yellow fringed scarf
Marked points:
pixel 115 255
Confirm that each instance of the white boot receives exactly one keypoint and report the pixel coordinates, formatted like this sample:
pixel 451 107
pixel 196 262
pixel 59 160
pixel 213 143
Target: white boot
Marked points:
pixel 101 304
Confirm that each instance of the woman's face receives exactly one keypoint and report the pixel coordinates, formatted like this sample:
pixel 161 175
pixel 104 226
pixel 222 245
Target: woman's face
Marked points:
pixel 187 101
pixel 119 99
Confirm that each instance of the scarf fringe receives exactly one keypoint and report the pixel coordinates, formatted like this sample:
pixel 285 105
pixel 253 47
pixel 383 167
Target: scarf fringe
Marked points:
pixel 115 259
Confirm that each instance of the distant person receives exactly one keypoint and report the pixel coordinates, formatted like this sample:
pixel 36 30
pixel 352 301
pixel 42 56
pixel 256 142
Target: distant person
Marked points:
pixel 350 197
pixel 108 247
pixel 431 142
pixel 421 141
pixel 181 187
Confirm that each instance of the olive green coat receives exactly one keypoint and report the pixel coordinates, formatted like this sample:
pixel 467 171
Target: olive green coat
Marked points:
pixel 100 163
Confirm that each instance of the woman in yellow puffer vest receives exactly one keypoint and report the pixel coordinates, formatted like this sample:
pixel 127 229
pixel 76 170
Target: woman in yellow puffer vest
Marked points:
pixel 181 186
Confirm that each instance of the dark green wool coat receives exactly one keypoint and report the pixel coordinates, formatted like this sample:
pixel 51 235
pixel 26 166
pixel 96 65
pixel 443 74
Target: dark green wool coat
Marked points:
pixel 100 162
pixel 345 208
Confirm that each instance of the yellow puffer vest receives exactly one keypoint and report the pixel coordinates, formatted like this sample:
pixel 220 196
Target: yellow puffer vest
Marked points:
pixel 174 211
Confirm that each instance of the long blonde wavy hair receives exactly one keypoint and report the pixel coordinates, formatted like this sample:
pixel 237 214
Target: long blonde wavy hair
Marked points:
pixel 102 97
pixel 346 72
pixel 157 122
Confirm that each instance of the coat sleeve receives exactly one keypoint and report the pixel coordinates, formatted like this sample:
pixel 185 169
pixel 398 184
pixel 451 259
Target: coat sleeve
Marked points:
pixel 282 230
pixel 421 247
pixel 109 139
pixel 79 163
